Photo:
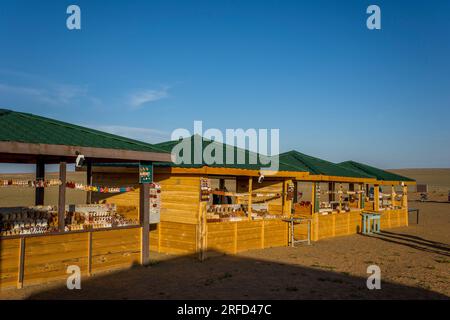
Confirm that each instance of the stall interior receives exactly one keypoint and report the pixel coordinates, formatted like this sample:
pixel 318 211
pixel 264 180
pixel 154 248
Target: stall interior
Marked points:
pixel 18 219
pixel 229 199
pixel 332 197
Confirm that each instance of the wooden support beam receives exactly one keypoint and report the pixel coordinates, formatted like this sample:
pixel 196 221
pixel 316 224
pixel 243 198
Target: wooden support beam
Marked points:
pixel 144 217
pixel 405 197
pixel 331 190
pixel 89 181
pixel 362 196
pixel 250 191
pixel 62 196
pixel 393 195
pixel 376 197
pixel 340 196
pixel 89 253
pixel 21 269
pixel 40 174
pixel 313 198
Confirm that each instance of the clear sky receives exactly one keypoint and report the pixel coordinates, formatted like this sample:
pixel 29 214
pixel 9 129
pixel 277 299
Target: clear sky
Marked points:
pixel 335 89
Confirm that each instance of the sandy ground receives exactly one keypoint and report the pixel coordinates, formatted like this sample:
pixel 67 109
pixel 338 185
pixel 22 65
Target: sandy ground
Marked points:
pixel 414 264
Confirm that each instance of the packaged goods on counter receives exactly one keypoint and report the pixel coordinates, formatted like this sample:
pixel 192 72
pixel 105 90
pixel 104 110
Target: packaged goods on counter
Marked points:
pixel 28 220
pixel 95 216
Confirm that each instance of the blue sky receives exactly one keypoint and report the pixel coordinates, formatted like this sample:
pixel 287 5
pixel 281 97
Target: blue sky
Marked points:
pixel 335 89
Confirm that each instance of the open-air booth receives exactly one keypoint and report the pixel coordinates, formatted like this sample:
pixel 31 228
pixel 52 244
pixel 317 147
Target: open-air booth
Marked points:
pixel 39 242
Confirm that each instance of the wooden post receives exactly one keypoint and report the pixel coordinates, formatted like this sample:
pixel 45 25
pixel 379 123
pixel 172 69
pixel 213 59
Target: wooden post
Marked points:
pixel 313 198
pixel 21 268
pixel 393 196
pixel 340 197
pixel 362 196
pixel 295 191
pixel 235 237
pixel 89 253
pixel 250 191
pixel 405 197
pixel 316 226
pixel 89 181
pixel 62 197
pixel 376 198
pixel 330 191
pixel 262 234
pixel 40 175
pixel 159 236
pixel 144 217
pixel 203 231
pixel 405 204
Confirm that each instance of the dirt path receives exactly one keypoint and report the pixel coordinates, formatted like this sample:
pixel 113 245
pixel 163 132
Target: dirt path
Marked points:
pixel 414 264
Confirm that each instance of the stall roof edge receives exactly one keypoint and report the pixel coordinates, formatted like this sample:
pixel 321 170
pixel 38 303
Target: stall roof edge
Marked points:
pixel 29 128
pixel 379 174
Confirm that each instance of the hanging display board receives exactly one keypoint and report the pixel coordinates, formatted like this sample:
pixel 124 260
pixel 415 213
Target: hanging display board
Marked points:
pixel 155 203
pixel 145 172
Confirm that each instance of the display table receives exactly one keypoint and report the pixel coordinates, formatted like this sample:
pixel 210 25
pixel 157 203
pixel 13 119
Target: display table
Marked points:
pixel 368 218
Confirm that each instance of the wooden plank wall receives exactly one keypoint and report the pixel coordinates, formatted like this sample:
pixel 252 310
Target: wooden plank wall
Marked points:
pixel 47 257
pixel 180 197
pixel 180 194
pixel 174 238
pixel 234 237
pixel 9 262
pixel 342 224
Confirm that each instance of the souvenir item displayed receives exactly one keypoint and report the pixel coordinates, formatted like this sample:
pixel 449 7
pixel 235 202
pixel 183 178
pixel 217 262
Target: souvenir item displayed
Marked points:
pixel 101 189
pixel 290 191
pixel 30 183
pixel 205 189
pixel 28 220
pixel 225 212
pixel 94 216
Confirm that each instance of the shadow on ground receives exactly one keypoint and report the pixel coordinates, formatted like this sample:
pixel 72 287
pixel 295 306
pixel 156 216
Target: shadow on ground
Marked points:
pixel 414 242
pixel 227 277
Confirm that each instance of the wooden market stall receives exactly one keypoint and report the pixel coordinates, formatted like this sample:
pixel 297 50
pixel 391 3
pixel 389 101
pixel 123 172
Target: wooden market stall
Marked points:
pixel 38 243
pixel 338 195
pixel 390 189
pixel 215 207
pixel 229 208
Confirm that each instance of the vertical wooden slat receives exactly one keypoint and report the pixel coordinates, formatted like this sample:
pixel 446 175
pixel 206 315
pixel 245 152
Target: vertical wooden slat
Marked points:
pixel 159 237
pixel 40 174
pixel 21 269
pixel 262 234
pixel 250 191
pixel 89 253
pixel 376 198
pixel 89 181
pixel 144 217
pixel 62 196
pixel 235 237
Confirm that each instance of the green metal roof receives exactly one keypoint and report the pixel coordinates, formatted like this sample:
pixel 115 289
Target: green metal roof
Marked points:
pixel 29 128
pixel 316 166
pixel 379 174
pixel 247 164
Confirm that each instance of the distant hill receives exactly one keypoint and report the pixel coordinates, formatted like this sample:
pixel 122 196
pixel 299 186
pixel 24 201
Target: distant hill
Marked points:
pixel 432 177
